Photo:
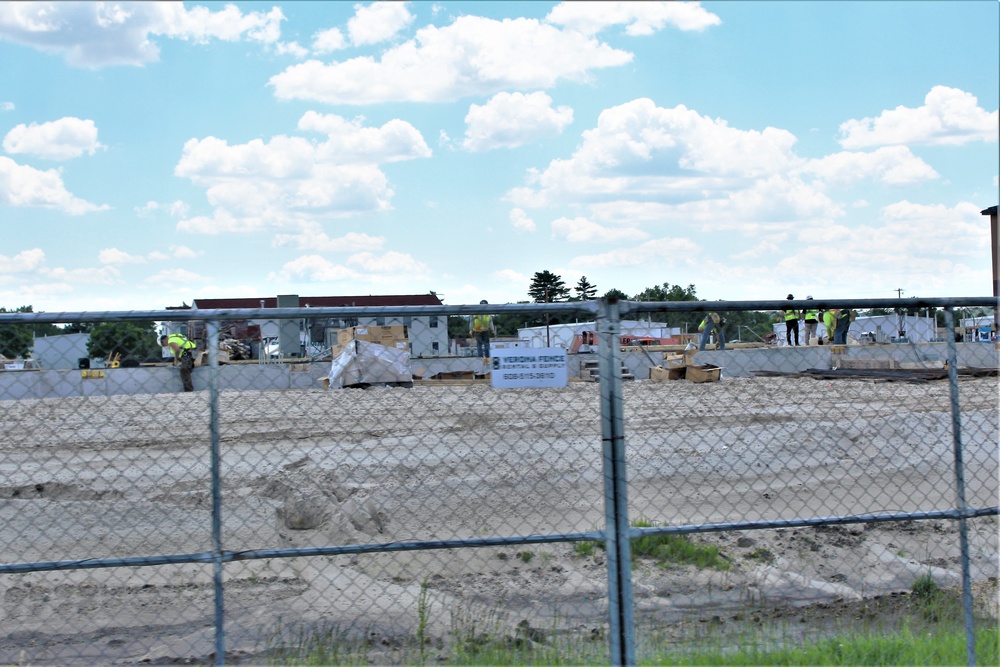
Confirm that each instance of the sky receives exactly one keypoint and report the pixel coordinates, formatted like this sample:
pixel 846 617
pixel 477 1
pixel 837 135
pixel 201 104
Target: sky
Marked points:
pixel 155 153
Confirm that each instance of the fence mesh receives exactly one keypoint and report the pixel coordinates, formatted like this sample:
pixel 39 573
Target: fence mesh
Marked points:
pixel 368 511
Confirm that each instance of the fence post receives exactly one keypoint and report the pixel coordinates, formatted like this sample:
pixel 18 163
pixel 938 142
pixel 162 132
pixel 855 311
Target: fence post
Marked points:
pixel 620 602
pixel 963 536
pixel 212 329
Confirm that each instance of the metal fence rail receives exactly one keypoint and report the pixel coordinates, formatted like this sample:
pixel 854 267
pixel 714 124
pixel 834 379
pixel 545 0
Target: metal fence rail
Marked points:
pixel 265 514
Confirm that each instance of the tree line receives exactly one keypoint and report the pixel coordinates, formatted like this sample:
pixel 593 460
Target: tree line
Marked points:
pixel 128 340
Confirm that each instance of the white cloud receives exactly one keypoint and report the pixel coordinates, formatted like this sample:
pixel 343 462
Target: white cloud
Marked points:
pixel 361 267
pixel 658 252
pixel 26 261
pixel 293 49
pixel 378 22
pixel 513 119
pixel 176 208
pixel 6 106
pixel 926 249
pixel 472 56
pixel 582 230
pixel 390 262
pixel 521 221
pixel 642 152
pixel 97 34
pixel 949 117
pixel 894 165
pixel 639 18
pixel 116 257
pixel 25 186
pixel 510 276
pixel 289 181
pixel 62 139
pixel 316 239
pixel 326 41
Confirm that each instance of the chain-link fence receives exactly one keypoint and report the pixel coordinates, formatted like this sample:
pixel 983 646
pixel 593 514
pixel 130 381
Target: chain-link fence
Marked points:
pixel 356 485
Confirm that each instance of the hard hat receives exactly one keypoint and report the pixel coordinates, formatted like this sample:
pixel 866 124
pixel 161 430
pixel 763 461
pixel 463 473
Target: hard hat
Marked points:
pixel 483 301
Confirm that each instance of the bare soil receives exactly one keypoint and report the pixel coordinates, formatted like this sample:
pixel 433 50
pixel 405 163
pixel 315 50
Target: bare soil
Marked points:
pixel 118 477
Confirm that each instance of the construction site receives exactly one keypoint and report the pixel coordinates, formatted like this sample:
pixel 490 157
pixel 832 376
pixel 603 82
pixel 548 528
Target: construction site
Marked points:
pixel 399 502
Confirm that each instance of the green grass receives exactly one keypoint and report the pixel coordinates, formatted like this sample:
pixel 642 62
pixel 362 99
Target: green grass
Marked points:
pixel 924 628
pixel 666 550
pixel 903 648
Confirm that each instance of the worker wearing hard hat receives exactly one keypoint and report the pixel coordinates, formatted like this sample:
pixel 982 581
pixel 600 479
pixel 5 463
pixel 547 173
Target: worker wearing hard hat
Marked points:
pixel 481 327
pixel 810 318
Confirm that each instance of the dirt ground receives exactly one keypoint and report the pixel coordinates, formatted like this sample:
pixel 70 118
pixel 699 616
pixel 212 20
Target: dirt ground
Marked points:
pixel 127 476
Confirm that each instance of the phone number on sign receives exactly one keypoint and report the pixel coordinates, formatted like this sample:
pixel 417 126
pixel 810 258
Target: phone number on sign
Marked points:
pixel 529 376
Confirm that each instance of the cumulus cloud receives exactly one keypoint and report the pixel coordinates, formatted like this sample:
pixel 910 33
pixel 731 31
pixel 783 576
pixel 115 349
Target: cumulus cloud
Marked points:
pixel 316 239
pixel 472 56
pixel 288 180
pixel 521 221
pixel 326 41
pixel 641 152
pixel 582 230
pixel 657 252
pixel 934 247
pixel 176 208
pixel 115 256
pixel 6 106
pixel 21 185
pixel 513 119
pixel 364 267
pixel 894 165
pixel 949 117
pixel 639 18
pixel 26 261
pixel 61 139
pixel 378 22
pixel 98 34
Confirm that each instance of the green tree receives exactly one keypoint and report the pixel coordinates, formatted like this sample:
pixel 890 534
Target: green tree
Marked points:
pixel 615 294
pixel 16 340
pixel 136 340
pixel 668 292
pixel 585 290
pixel 547 287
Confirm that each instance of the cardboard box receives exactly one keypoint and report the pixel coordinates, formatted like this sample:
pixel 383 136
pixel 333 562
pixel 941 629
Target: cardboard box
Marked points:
pixel 372 334
pixel 706 373
pixel 661 374
pixel 675 360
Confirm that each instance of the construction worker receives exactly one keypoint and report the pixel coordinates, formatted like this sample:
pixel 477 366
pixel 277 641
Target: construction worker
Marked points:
pixel 711 321
pixel 791 323
pixel 481 327
pixel 830 323
pixel 183 351
pixel 844 318
pixel 811 317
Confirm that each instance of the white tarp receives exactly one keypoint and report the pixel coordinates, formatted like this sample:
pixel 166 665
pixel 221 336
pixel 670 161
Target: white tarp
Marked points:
pixel 362 362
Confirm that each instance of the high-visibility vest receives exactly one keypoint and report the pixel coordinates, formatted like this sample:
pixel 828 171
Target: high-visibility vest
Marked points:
pixel 182 342
pixel 791 315
pixel 481 322
pixel 812 316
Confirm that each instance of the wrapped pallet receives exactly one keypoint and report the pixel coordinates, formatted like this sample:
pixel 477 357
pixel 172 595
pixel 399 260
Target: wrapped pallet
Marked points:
pixel 365 363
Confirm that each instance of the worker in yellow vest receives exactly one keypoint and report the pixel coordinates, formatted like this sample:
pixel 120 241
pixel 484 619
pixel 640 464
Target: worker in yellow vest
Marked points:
pixel 183 351
pixel 482 329
pixel 830 323
pixel 811 318
pixel 791 323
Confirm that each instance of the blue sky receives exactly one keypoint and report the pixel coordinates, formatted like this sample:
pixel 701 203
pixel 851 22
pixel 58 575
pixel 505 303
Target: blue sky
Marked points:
pixel 153 153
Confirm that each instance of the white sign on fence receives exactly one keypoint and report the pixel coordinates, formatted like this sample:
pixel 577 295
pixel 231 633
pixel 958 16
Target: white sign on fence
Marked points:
pixel 528 367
